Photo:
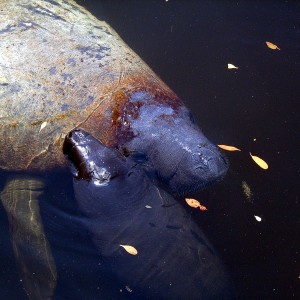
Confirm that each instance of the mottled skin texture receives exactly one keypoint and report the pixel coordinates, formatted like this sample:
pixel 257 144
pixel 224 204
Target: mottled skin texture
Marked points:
pixel 174 260
pixel 61 65
pixel 60 69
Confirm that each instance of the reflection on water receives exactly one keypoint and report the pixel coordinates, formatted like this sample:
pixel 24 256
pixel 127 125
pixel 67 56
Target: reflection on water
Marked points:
pixel 165 234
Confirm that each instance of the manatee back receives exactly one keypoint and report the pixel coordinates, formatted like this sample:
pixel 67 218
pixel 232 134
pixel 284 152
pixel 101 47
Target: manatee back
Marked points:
pixel 60 68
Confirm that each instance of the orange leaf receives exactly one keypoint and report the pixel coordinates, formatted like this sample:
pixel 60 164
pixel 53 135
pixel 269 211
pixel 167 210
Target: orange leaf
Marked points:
pixel 259 161
pixel 130 249
pixel 229 148
pixel 195 203
pixel 201 207
pixel 272 46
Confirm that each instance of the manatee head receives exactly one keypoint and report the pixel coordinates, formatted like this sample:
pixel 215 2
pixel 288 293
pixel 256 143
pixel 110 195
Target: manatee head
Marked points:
pixel 170 146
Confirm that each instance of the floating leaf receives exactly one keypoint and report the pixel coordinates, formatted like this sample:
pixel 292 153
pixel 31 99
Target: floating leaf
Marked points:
pixel 195 203
pixel 130 249
pixel 202 207
pixel 247 190
pixel 258 219
pixel 128 289
pixel 231 66
pixel 272 46
pixel 43 125
pixel 229 148
pixel 192 202
pixel 259 161
pixel 148 206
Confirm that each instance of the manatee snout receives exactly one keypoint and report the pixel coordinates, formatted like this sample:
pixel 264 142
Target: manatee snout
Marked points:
pixel 207 158
pixel 175 150
pixel 200 167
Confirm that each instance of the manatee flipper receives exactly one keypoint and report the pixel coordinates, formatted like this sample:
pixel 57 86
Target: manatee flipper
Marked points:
pixel 31 248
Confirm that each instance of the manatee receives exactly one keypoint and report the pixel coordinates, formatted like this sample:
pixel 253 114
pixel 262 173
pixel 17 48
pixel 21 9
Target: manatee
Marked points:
pixel 123 206
pixel 62 69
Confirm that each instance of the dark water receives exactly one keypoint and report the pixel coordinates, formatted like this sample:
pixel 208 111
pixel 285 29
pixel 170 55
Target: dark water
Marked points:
pixel 255 108
pixel 188 44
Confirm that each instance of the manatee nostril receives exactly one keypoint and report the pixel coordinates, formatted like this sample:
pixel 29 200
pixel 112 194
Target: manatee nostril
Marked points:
pixel 208 159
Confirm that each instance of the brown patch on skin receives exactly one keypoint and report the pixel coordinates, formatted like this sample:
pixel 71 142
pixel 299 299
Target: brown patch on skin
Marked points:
pixel 45 76
pixel 54 119
pixel 119 99
pixel 110 123
pixel 130 110
pixel 125 151
pixel 15 124
pixel 161 95
pixel 59 141
pixel 61 116
pixel 34 123
pixel 167 118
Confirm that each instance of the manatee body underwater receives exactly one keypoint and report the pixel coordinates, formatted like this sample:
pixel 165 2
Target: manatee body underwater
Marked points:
pixel 122 206
pixel 62 69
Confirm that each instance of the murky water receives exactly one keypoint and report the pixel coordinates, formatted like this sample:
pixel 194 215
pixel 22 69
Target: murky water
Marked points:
pixel 254 108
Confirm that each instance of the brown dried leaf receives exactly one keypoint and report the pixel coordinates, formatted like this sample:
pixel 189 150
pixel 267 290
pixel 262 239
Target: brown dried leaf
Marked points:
pixel 272 46
pixel 229 148
pixel 202 207
pixel 130 249
pixel 259 161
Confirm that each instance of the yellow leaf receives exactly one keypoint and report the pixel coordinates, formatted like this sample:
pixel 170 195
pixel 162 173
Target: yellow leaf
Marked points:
pixel 272 46
pixel 231 66
pixel 195 203
pixel 228 148
pixel 260 162
pixel 192 202
pixel 130 249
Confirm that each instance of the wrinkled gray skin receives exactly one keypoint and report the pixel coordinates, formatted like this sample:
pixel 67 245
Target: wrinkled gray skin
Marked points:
pixel 174 260
pixel 170 146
